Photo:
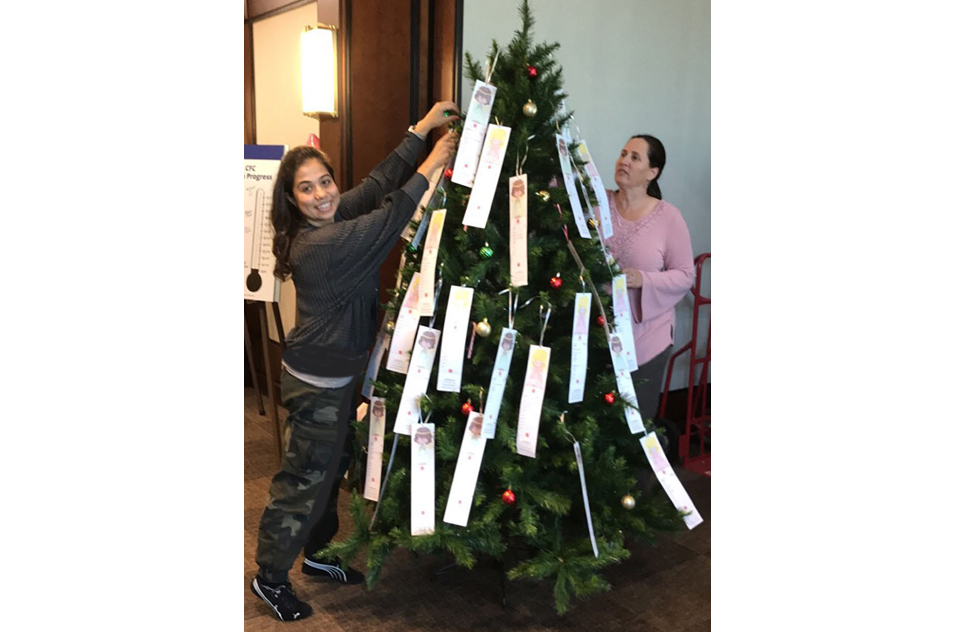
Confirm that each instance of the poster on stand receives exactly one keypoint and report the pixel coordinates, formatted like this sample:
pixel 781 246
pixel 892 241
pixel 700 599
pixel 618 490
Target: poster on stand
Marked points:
pixel 261 164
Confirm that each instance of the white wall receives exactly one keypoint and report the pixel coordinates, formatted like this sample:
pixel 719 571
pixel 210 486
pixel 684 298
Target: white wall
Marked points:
pixel 630 67
pixel 279 120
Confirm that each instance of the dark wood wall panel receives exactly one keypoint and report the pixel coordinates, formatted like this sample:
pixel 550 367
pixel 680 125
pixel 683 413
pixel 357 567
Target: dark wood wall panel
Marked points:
pixel 443 50
pixel 250 91
pixel 331 135
pixel 380 75
pixel 421 48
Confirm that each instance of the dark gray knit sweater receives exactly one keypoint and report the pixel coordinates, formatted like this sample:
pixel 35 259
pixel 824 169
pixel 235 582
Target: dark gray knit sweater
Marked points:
pixel 335 268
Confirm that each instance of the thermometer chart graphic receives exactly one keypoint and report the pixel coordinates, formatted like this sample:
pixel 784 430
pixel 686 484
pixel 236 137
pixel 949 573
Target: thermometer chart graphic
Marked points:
pixel 259 282
pixel 254 280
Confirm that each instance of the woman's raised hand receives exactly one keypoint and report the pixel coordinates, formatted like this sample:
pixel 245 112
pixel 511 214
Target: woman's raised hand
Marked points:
pixel 441 113
pixel 440 155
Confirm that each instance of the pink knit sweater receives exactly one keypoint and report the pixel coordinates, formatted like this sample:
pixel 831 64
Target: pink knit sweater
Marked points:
pixel 659 246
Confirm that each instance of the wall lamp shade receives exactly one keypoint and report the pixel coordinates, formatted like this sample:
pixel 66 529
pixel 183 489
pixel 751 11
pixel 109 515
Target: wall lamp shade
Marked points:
pixel 318 72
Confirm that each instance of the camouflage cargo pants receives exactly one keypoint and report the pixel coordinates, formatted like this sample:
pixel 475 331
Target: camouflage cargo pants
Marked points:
pixel 315 437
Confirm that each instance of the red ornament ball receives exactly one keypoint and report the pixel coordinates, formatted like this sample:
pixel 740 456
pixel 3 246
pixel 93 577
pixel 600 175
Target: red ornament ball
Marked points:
pixel 600 321
pixel 532 71
pixel 556 282
pixel 508 497
pixel 609 398
pixel 449 173
pixel 466 408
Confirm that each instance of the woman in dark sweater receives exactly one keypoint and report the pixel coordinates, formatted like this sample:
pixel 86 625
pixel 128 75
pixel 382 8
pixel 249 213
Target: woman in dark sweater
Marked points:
pixel 332 246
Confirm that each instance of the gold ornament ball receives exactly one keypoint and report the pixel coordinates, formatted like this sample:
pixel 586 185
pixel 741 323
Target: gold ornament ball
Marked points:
pixel 390 327
pixel 544 195
pixel 628 502
pixel 483 328
pixel 529 109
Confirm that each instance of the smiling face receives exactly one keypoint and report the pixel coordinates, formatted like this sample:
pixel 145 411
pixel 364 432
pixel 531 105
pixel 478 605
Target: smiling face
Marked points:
pixel 315 192
pixel 633 169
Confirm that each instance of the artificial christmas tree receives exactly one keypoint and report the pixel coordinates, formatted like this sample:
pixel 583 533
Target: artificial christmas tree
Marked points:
pixel 506 484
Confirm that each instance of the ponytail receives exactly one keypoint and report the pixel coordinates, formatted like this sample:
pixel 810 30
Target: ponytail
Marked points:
pixel 657 158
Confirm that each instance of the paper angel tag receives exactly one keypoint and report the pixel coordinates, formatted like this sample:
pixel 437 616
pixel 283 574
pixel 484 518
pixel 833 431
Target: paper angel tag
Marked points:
pixel 422 465
pixel 623 319
pixel 416 380
pixel 376 446
pixel 518 235
pixel 405 325
pixel 463 483
pixel 473 134
pixel 426 286
pixel 625 384
pixel 532 400
pixel 669 481
pixel 375 361
pixel 455 330
pixel 499 378
pixel 597 186
pixel 565 159
pixel 579 347
pixel 486 180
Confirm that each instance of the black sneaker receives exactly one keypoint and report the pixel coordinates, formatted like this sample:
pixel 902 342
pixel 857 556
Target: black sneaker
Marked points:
pixel 332 570
pixel 286 605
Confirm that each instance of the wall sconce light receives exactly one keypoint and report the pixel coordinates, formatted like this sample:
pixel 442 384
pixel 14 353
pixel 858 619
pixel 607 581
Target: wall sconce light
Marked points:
pixel 319 92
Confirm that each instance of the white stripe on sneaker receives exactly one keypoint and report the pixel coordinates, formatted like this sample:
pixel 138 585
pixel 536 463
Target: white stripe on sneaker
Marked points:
pixel 255 586
pixel 334 571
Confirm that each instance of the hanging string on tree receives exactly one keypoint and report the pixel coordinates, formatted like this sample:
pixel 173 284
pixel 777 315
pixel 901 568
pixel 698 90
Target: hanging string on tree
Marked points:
pixel 544 321
pixel 584 486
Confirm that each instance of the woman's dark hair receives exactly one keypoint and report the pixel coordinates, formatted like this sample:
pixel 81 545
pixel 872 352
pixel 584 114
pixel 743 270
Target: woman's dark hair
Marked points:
pixel 286 216
pixel 656 158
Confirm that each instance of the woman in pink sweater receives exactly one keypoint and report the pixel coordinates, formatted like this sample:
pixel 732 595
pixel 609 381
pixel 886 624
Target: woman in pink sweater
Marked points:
pixel 651 244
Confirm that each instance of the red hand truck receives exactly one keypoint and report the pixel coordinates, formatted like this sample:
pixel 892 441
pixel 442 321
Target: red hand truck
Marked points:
pixel 694 442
